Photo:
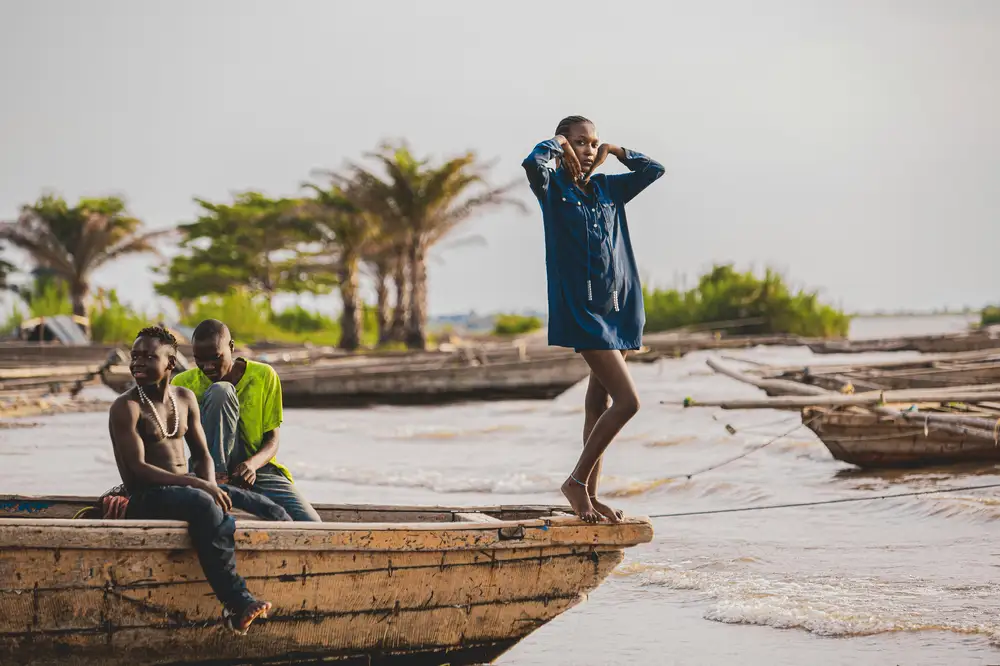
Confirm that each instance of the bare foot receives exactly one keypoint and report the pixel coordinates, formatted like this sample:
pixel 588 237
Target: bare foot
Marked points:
pixel 580 501
pixel 614 515
pixel 240 622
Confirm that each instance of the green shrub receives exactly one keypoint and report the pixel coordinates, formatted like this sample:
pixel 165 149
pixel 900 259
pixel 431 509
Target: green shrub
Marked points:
pixel 251 319
pixel 13 322
pixel 297 319
pixel 511 324
pixel 48 298
pixel 112 322
pixel 764 306
pixel 990 315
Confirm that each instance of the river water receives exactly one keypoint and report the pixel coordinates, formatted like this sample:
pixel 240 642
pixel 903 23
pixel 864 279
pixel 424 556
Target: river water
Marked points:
pixel 903 581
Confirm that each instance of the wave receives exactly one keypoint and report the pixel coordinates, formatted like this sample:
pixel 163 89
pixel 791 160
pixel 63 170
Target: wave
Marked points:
pixel 452 482
pixel 673 441
pixel 519 483
pixel 827 605
pixel 444 433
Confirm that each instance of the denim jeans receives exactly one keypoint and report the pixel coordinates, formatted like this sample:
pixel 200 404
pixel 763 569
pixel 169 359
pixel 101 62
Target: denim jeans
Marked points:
pixel 276 487
pixel 211 530
pixel 255 503
pixel 220 418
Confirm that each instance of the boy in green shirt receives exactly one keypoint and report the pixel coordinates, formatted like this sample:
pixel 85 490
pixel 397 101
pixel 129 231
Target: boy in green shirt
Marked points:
pixel 241 415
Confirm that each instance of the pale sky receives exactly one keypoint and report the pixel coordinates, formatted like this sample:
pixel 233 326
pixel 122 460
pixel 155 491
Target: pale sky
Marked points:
pixel 853 144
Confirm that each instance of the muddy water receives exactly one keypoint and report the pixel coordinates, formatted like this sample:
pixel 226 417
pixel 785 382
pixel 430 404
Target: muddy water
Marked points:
pixel 905 581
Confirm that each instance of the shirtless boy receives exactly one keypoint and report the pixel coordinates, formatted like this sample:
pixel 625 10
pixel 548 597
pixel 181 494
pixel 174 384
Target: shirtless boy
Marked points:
pixel 149 425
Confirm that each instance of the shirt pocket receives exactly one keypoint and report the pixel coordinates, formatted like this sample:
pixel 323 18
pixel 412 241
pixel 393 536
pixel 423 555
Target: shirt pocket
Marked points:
pixel 570 208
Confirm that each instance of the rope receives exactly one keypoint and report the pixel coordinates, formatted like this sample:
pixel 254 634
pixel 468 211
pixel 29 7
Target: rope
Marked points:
pixel 843 500
pixel 742 455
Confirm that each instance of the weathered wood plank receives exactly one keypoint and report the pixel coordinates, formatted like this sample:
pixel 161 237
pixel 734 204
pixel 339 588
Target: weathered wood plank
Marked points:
pixel 322 637
pixel 474 517
pixel 258 535
pixel 360 592
pixel 45 569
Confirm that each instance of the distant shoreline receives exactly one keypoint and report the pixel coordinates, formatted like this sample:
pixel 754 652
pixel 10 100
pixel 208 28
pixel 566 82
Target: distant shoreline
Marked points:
pixel 900 315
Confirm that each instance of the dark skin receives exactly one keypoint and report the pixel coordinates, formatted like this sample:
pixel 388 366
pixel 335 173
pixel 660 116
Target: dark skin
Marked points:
pixel 612 399
pixel 213 355
pixel 144 455
pixel 583 152
pixel 597 401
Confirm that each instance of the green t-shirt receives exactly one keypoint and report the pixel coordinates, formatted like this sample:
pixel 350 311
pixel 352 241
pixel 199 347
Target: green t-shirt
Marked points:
pixel 259 395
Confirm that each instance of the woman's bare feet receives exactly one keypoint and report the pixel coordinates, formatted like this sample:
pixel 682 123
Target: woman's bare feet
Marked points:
pixel 578 498
pixel 613 515
pixel 240 622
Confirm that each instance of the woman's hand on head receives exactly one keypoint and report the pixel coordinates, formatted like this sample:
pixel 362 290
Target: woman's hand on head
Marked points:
pixel 602 154
pixel 569 159
pixel 603 151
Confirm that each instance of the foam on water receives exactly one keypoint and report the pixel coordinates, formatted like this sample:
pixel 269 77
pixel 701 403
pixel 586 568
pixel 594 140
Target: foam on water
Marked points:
pixel 436 432
pixel 825 605
pixel 437 481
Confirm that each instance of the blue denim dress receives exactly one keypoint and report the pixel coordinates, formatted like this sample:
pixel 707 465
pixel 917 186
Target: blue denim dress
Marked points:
pixel 595 299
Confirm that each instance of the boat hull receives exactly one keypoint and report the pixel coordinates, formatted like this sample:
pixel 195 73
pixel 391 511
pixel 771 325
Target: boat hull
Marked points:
pixel 872 440
pixel 121 593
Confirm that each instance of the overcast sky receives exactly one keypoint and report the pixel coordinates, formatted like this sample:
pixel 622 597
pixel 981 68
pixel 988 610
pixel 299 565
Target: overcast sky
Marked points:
pixel 853 144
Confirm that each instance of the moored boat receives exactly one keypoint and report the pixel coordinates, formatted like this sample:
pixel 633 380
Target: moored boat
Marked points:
pixel 383 586
pixel 882 428
pixel 426 378
pixel 868 439
pixel 937 371
pixel 333 386
pixel 987 338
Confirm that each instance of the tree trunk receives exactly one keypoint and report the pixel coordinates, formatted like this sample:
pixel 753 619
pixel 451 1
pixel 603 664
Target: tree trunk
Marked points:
pixel 350 318
pixel 78 297
pixel 400 315
pixel 416 333
pixel 382 302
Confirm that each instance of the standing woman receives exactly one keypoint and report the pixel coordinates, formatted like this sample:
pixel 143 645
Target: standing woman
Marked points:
pixel 595 300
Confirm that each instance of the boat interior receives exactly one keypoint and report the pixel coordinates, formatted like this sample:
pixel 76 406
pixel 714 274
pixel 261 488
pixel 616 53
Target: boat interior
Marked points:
pixel 56 507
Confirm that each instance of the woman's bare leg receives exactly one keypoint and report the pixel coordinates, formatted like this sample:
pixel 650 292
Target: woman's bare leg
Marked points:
pixel 595 404
pixel 609 369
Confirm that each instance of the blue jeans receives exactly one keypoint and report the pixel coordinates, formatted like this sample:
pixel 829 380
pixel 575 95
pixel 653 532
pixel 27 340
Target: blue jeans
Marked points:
pixel 211 530
pixel 220 418
pixel 255 503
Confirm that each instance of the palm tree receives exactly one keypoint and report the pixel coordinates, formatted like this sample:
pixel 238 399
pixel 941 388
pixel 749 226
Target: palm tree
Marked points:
pixel 424 203
pixel 72 242
pixel 6 268
pixel 345 232
pixel 388 267
pixel 385 253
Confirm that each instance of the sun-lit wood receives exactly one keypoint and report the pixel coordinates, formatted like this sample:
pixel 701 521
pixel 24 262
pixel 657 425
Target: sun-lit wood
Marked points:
pixel 460 586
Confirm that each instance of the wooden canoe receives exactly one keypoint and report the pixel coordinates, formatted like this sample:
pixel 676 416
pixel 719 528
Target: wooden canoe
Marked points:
pixel 868 439
pixel 912 375
pixel 532 379
pixel 399 586
pixel 879 434
pixel 676 345
pixel 440 378
pixel 926 344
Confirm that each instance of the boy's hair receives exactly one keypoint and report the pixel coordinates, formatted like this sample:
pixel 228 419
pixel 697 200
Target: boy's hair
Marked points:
pixel 159 333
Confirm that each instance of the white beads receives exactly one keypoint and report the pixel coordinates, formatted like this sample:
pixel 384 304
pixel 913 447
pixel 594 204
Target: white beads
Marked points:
pixel 144 399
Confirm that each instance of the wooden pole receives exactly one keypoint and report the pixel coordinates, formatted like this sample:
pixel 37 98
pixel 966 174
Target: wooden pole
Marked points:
pixel 814 396
pixel 832 399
